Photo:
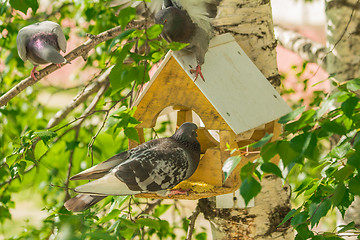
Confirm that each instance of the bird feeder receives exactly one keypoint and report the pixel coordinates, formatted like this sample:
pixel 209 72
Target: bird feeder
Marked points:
pixel 235 99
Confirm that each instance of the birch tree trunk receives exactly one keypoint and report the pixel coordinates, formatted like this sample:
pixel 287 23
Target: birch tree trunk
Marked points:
pixel 343 38
pixel 250 22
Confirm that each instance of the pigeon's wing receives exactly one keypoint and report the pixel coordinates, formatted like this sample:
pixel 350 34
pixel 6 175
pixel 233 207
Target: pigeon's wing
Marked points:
pixel 155 169
pixel 151 170
pixel 102 168
pixel 60 37
pixel 200 11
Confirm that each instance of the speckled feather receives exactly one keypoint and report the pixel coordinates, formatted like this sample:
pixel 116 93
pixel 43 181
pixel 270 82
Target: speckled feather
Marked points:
pixel 154 166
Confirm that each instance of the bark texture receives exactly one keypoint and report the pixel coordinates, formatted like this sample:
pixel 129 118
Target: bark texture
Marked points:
pixel 343 37
pixel 250 22
pixel 258 222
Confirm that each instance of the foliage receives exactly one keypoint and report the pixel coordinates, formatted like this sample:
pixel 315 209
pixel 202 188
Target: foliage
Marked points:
pixel 330 173
pixel 42 160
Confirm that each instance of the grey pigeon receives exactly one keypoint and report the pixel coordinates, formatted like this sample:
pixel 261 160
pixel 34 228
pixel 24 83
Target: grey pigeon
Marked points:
pixel 189 21
pixel 185 21
pixel 41 43
pixel 154 166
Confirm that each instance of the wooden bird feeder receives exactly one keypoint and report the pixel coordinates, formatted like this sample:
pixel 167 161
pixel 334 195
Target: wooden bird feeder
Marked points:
pixel 236 100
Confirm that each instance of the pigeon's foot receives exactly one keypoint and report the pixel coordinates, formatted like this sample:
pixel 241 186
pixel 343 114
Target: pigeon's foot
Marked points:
pixel 179 192
pixel 197 72
pixel 33 71
pixel 58 65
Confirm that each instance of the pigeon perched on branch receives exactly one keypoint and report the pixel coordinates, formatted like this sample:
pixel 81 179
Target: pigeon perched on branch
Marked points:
pixel 185 21
pixel 154 166
pixel 41 43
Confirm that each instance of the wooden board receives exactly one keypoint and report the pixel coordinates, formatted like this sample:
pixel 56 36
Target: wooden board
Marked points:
pixel 235 86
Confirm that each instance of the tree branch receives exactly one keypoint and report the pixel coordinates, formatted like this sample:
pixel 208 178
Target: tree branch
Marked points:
pixel 192 219
pixel 307 49
pixel 82 50
pixel 80 98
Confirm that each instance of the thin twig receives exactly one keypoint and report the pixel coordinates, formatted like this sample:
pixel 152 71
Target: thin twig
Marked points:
pixel 192 219
pixel 80 98
pixel 149 208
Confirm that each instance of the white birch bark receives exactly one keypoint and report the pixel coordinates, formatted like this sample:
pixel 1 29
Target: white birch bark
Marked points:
pixel 250 22
pixel 343 38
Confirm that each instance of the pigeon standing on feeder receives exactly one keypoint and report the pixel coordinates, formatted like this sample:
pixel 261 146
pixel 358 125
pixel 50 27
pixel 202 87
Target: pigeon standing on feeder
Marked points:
pixel 154 166
pixel 40 43
pixel 189 22
pixel 185 21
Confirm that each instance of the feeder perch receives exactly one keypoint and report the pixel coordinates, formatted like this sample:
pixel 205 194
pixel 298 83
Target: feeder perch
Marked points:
pixel 236 100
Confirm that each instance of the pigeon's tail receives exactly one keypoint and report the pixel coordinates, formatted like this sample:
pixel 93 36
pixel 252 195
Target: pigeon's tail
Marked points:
pixel 82 202
pixel 50 54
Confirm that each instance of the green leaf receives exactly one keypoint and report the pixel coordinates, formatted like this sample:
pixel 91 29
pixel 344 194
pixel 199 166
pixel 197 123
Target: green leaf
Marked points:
pixel 319 210
pixel 249 189
pixel 45 135
pixel 229 165
pixel 18 169
pixel 270 167
pixel 299 218
pixel 344 173
pixel 24 5
pixel 288 216
pixel 303 232
pixel 354 185
pixel 149 222
pixel 268 151
pixel 305 144
pixel 349 106
pixel 339 194
pixel 353 84
pixel 114 214
pixel 354 159
pixel 40 149
pixel 120 38
pixel 344 228
pixel 340 151
pixel 131 133
pixel 71 145
pixel 161 209
pixel 306 120
pixel 334 127
pixel 263 141
pixel 247 170
pixel 126 15
pixel 287 153
pixel 325 106
pixel 176 46
pixel 346 202
pixel 154 31
pixel 292 115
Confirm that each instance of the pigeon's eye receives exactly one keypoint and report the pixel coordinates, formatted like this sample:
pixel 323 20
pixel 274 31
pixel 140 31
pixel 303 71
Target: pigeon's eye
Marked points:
pixel 165 21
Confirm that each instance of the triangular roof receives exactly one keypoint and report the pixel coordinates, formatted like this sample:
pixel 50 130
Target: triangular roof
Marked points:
pixel 235 94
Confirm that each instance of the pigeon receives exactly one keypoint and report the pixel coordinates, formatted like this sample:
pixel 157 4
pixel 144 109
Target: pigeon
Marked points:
pixel 189 21
pixel 41 43
pixel 185 21
pixel 154 166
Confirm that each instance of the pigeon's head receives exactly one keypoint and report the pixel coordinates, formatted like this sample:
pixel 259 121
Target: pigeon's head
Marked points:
pixel 177 24
pixel 186 133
